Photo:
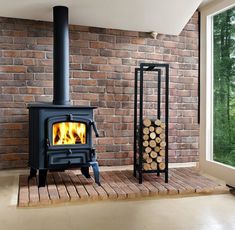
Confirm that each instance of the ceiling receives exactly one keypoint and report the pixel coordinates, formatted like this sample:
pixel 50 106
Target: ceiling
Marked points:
pixel 162 16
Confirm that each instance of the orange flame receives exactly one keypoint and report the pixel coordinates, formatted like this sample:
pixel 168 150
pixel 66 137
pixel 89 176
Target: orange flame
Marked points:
pixel 65 133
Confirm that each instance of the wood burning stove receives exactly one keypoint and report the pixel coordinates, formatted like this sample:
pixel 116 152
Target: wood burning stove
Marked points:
pixel 60 135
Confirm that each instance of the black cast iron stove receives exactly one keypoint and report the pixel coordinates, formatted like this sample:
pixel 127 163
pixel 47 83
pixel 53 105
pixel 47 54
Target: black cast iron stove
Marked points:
pixel 60 135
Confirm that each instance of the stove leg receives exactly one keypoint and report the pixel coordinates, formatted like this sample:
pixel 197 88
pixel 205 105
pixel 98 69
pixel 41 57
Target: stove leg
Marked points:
pixel 85 172
pixel 95 168
pixel 33 173
pixel 42 177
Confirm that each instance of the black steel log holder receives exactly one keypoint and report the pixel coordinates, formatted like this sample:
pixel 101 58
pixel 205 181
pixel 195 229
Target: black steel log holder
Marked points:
pixel 161 70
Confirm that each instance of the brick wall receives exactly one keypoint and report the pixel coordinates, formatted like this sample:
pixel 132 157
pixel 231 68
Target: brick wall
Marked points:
pixel 102 63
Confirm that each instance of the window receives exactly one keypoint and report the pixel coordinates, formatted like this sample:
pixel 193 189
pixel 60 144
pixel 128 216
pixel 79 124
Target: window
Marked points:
pixel 223 90
pixel 217 129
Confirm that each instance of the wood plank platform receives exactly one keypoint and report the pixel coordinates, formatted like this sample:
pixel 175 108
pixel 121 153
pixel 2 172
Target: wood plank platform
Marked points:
pixel 71 186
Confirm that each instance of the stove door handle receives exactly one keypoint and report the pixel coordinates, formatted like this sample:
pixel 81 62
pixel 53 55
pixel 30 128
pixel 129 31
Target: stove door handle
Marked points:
pixel 95 129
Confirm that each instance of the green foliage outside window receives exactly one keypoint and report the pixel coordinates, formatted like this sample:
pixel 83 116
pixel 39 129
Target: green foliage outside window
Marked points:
pixel 224 87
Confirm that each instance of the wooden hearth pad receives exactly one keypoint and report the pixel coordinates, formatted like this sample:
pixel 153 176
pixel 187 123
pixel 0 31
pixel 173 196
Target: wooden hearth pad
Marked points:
pixel 71 186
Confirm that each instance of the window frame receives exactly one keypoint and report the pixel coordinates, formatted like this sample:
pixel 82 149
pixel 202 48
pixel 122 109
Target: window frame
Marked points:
pixel 206 162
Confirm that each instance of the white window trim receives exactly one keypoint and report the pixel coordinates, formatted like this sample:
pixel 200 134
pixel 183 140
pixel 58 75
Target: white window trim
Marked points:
pixel 206 162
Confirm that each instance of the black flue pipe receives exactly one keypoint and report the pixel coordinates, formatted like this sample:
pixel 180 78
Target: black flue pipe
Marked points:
pixel 61 56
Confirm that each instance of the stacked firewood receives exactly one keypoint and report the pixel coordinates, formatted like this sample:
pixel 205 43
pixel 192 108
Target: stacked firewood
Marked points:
pixel 153 144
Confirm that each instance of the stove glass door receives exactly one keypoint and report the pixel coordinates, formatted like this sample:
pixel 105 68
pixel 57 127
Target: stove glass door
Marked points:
pixel 68 133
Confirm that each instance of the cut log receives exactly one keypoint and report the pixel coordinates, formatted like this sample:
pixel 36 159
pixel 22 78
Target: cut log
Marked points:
pixel 148 150
pixel 152 143
pixel 162 166
pixel 157 149
pixel 149 160
pixel 151 129
pixel 145 156
pixel 159 159
pixel 147 122
pixel 162 152
pixel 152 135
pixel 145 137
pixel 158 139
pixel 147 166
pixel 163 126
pixel 157 122
pixel 145 130
pixel 163 144
pixel 162 136
pixel 153 165
pixel 153 154
pixel 158 130
pixel 145 143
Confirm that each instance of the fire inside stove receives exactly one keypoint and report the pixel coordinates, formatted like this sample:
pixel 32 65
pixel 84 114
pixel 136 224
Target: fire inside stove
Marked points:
pixel 67 133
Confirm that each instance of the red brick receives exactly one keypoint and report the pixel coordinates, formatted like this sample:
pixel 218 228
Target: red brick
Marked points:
pixel 115 61
pixel 102 63
pixel 31 90
pixel 23 197
pixel 107 38
pixel 93 194
pixel 109 190
pixel 52 190
pixel 143 190
pixel 13 69
pixel 129 192
pixel 98 45
pixel 88 36
pixel 69 186
pixel 98 60
pixel 140 41
pixel 89 67
pixel 88 52
pixel 83 195
pixel 62 191
pixel 115 185
pixel 120 193
pixel 45 41
pixel 33 192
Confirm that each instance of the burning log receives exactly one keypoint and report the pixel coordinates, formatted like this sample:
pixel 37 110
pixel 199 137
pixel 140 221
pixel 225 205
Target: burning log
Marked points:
pixel 69 133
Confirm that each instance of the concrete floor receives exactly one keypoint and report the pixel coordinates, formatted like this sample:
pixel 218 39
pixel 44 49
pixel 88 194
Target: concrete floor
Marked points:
pixel 214 212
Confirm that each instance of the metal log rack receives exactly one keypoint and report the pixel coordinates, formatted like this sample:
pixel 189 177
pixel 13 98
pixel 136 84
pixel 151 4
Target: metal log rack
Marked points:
pixel 160 69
